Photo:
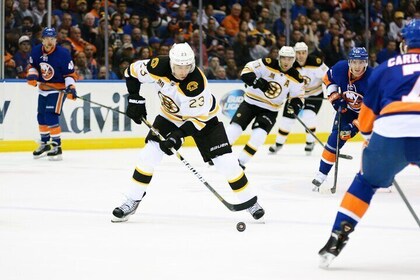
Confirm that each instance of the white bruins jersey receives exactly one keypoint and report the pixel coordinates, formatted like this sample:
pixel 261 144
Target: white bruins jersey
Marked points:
pixel 312 72
pixel 181 101
pixel 288 84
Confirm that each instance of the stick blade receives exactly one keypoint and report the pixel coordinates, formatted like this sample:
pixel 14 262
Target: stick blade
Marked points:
pixel 241 206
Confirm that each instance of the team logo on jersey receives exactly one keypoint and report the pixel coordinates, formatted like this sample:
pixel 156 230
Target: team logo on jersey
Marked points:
pixel 47 71
pixel 191 86
pixel 353 98
pixel 306 80
pixel 231 101
pixel 274 90
pixel 318 60
pixel 168 104
pixel 154 62
pixel 268 60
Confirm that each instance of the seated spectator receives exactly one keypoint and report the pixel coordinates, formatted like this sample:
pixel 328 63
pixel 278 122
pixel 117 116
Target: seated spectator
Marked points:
pixel 232 71
pixel 88 28
pixel 21 57
pixel 133 22
pixel 81 11
pixel 210 71
pixel 256 51
pixel 396 26
pixel 9 66
pixel 388 52
pixel 221 73
pixel 76 40
pixel 102 74
pixel 231 22
pixel 39 11
pixel 81 68
pixel 92 64
pixel 333 52
pixel 163 50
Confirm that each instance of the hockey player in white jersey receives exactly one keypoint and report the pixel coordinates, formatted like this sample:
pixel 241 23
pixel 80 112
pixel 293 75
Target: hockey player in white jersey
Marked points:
pixel 270 83
pixel 187 109
pixel 312 69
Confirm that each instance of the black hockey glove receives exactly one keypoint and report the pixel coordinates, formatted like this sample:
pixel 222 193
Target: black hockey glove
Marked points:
pixel 262 84
pixel 136 108
pixel 295 105
pixel 174 140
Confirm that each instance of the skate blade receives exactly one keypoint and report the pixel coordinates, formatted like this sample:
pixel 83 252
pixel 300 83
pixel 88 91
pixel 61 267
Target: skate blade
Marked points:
pixel 119 220
pixel 40 156
pixel 315 189
pixel 308 153
pixel 55 158
pixel 325 260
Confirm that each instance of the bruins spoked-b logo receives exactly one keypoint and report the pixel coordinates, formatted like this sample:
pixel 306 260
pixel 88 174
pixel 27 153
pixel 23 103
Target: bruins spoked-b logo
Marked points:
pixel 154 62
pixel 273 91
pixel 168 104
pixel 192 86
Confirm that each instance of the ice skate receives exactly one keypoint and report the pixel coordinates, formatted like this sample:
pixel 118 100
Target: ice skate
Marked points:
pixel 275 148
pixel 55 154
pixel 123 212
pixel 309 148
pixel 42 150
pixel 256 211
pixel 318 180
pixel 241 165
pixel 335 244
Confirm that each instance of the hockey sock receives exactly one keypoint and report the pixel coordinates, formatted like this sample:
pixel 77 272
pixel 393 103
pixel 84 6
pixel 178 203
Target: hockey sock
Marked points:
pixel 309 118
pixel 233 131
pixel 285 126
pixel 355 202
pixel 45 133
pixel 258 137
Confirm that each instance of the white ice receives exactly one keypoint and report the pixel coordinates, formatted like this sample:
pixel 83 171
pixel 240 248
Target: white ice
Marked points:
pixel 55 221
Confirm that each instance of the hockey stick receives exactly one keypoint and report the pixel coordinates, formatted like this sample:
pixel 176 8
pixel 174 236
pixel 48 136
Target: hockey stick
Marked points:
pixel 406 202
pixel 231 207
pixel 337 152
pixel 316 138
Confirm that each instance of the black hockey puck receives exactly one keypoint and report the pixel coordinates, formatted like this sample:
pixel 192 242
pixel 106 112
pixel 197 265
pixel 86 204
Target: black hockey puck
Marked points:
pixel 241 226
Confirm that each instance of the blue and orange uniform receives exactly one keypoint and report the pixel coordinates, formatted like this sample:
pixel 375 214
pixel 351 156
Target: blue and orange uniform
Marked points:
pixel 389 120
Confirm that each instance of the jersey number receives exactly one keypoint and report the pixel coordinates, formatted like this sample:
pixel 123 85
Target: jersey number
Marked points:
pixel 194 103
pixel 414 95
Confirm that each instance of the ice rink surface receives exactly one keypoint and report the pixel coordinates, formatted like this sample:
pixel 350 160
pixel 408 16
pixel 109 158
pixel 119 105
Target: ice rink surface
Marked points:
pixel 55 221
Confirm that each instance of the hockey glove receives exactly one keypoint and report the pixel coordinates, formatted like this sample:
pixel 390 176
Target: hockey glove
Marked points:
pixel 338 102
pixel 32 77
pixel 262 84
pixel 294 106
pixel 348 131
pixel 136 108
pixel 70 92
pixel 174 140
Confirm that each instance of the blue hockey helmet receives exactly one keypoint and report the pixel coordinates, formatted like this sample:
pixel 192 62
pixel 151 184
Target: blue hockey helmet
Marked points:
pixel 358 54
pixel 49 32
pixel 411 34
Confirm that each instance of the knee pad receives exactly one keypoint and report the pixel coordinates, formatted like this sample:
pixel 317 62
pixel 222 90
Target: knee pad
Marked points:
pixel 264 123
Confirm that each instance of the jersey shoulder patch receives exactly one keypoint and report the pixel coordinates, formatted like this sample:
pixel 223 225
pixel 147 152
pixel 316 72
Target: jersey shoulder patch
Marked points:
pixel 272 63
pixel 194 84
pixel 314 61
pixel 159 66
pixel 294 74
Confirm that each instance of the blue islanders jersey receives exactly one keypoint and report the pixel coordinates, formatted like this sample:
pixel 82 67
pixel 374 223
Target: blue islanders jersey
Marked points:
pixel 353 90
pixel 392 107
pixel 52 67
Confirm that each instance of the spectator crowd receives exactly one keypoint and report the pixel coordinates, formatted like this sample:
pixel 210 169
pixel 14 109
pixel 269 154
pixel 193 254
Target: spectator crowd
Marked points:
pixel 234 32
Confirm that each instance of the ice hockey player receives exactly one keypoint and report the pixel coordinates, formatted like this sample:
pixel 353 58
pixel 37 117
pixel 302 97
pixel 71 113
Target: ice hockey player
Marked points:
pixel 270 82
pixel 390 123
pixel 346 84
pixel 187 109
pixel 312 69
pixel 52 67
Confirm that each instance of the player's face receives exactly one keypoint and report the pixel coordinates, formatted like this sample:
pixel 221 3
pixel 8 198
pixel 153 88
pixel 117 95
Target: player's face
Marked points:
pixel 181 71
pixel 358 67
pixel 49 43
pixel 301 57
pixel 286 62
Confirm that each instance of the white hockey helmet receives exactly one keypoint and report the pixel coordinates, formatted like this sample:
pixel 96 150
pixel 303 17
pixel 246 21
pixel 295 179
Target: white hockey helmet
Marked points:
pixel 286 51
pixel 301 46
pixel 182 54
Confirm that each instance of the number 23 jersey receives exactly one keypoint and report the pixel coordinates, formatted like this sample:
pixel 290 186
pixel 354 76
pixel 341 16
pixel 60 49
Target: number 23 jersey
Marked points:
pixel 186 100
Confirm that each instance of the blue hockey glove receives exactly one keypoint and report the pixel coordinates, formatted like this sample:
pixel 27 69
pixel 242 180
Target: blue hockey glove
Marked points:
pixel 338 102
pixel 136 108
pixel 70 92
pixel 348 131
pixel 174 140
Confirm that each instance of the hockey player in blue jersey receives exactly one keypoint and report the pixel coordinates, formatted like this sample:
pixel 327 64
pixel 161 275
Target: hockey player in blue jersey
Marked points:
pixel 51 69
pixel 389 120
pixel 346 84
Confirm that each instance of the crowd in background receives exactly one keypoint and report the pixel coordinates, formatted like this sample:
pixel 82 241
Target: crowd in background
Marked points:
pixel 234 31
